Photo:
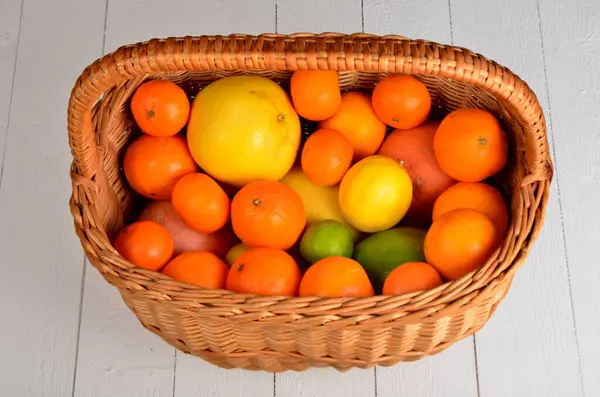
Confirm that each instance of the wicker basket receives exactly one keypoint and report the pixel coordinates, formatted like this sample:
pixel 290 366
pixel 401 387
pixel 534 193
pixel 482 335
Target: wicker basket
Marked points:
pixel 290 333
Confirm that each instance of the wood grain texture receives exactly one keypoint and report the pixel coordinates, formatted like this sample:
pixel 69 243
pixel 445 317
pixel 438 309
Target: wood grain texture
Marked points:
pixel 528 348
pixel 317 16
pixel 117 356
pixel 156 18
pixel 571 38
pixel 345 17
pixel 414 19
pixel 448 374
pixel 198 378
pixel 453 372
pixel 41 265
pixel 325 382
pixel 10 20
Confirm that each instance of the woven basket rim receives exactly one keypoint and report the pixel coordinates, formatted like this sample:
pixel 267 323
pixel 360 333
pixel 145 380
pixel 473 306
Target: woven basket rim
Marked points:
pixel 354 52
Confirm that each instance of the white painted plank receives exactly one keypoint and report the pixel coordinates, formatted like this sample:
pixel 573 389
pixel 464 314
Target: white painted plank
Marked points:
pixel 317 16
pixel 448 374
pixel 41 259
pixel 198 378
pixel 529 346
pixel 571 38
pixel 155 18
pixel 453 372
pixel 116 355
pixel 414 19
pixel 325 382
pixel 10 19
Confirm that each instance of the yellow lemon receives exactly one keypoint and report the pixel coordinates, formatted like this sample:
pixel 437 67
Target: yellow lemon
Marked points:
pixel 242 129
pixel 375 194
pixel 320 202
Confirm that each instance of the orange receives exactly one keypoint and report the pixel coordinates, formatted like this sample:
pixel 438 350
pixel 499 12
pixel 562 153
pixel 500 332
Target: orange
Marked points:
pixel 201 203
pixel 268 214
pixel 335 277
pixel 401 101
pixel 264 271
pixel 160 108
pixel 478 196
pixel 413 149
pixel 326 156
pixel 411 277
pixel 153 165
pixel 315 93
pixel 459 242
pixel 145 244
pixel 201 268
pixel 470 146
pixel 356 119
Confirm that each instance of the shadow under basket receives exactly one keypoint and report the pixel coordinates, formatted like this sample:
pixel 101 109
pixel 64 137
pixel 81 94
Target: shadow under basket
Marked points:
pixel 294 333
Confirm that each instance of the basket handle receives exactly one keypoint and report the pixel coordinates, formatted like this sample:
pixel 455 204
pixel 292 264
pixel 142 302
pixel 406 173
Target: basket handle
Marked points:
pixel 360 52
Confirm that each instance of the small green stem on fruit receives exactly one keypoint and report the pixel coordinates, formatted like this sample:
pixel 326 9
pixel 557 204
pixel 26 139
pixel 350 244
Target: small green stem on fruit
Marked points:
pixel 280 118
pixel 239 267
pixel 482 140
pixel 256 202
pixel 150 113
pixel 396 120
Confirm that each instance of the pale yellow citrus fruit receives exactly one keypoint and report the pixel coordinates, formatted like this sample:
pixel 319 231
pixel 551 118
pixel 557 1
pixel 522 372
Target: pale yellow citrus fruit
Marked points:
pixel 375 194
pixel 320 202
pixel 243 129
pixel 235 253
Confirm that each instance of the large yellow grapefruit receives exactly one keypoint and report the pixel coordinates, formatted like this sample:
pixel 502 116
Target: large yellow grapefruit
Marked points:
pixel 242 129
pixel 375 194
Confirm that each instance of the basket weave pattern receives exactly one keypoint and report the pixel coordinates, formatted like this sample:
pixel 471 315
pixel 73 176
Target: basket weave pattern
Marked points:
pixel 295 333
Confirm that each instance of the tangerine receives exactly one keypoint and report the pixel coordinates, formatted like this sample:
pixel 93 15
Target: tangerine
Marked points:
pixel 326 156
pixel 401 101
pixel 413 149
pixel 356 119
pixel 411 277
pixel 268 214
pixel 460 241
pixel 200 268
pixel 336 277
pixel 160 108
pixel 470 146
pixel 264 271
pixel 153 165
pixel 315 93
pixel 145 244
pixel 201 202
pixel 478 196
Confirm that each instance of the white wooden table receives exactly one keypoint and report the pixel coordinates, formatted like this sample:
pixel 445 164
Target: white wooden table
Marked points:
pixel 65 332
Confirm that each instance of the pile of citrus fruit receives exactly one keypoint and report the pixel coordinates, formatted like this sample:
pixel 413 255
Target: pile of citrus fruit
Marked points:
pixel 239 198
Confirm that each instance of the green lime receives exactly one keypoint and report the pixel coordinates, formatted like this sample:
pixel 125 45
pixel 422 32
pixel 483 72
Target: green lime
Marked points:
pixel 326 238
pixel 384 251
